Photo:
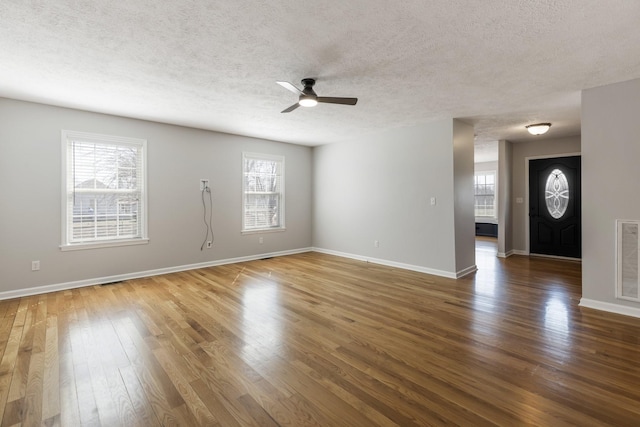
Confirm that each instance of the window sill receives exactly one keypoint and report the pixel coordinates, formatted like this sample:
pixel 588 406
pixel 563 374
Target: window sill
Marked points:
pixel 105 244
pixel 263 230
pixel 486 220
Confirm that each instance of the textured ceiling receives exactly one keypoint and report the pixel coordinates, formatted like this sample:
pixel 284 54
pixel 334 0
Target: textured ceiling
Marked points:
pixel 498 64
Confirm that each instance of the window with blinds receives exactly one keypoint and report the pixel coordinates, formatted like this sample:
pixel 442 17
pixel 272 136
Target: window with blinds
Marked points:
pixel 485 194
pixel 263 192
pixel 104 190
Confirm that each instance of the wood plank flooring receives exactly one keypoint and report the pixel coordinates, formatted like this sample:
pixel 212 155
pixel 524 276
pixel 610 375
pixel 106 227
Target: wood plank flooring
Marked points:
pixel 318 340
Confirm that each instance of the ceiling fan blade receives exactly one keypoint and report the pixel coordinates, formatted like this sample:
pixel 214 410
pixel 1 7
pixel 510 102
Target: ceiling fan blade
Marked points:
pixel 290 109
pixel 334 100
pixel 290 87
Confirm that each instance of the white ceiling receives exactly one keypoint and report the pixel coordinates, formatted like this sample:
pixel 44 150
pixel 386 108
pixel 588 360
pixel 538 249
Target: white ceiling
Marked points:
pixel 498 64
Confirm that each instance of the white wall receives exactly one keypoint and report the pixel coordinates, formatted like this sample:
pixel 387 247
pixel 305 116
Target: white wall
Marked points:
pixel 505 212
pixel 379 188
pixel 30 218
pixel 521 150
pixel 610 177
pixel 485 166
pixel 464 197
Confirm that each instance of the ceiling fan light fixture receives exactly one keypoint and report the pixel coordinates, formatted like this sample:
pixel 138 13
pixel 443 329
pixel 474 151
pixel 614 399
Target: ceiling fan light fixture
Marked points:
pixel 308 98
pixel 538 128
pixel 308 102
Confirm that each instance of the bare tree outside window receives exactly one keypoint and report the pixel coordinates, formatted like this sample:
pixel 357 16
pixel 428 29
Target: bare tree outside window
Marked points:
pixel 485 194
pixel 104 190
pixel 263 192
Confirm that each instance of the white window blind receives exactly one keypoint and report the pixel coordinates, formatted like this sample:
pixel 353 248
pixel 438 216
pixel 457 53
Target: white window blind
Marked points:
pixel 104 189
pixel 263 192
pixel 485 194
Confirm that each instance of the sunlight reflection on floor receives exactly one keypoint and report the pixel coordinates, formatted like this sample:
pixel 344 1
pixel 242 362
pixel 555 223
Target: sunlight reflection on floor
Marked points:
pixel 262 325
pixel 488 291
pixel 485 280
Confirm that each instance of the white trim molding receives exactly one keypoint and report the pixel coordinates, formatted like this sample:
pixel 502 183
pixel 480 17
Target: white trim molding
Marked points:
pixel 561 258
pixel 105 244
pixel 69 165
pixel 466 271
pixel 411 267
pixel 280 192
pixel 611 308
pixel 37 290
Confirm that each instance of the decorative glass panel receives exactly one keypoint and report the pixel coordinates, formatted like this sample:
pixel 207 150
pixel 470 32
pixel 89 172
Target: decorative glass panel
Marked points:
pixel 557 193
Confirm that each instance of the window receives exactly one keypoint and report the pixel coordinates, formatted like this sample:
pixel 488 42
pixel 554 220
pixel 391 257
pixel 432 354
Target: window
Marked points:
pixel 104 197
pixel 485 194
pixel 263 192
pixel 557 194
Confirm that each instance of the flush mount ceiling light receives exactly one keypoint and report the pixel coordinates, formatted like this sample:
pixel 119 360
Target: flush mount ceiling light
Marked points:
pixel 538 128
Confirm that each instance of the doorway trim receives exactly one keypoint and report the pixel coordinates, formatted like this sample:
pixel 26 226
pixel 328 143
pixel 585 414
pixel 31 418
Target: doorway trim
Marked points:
pixel 527 225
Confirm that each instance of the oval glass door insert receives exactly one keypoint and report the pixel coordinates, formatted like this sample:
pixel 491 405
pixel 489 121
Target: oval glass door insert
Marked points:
pixel 557 193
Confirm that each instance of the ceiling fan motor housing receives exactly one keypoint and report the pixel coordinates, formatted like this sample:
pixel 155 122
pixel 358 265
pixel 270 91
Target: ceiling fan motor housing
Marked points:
pixel 308 98
pixel 308 92
pixel 308 83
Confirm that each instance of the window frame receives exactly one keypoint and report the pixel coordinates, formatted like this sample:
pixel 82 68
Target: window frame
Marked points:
pixel 281 193
pixel 495 195
pixel 67 137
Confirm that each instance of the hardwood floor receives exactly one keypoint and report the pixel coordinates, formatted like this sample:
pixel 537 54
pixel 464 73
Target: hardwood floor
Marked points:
pixel 318 340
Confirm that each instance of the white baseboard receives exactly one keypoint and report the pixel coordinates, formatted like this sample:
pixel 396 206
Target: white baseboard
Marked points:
pixel 527 253
pixel 505 254
pixel 420 269
pixel 37 290
pixel 610 307
pixel 466 271
pixel 561 258
pixel 120 277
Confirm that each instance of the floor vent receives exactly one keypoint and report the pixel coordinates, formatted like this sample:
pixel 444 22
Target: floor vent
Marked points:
pixel 111 283
pixel 627 259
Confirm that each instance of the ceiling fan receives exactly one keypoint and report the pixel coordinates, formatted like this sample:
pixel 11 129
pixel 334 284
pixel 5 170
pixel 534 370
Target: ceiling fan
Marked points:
pixel 308 98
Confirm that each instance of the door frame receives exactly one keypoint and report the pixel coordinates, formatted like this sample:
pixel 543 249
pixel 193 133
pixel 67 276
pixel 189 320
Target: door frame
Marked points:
pixel 527 223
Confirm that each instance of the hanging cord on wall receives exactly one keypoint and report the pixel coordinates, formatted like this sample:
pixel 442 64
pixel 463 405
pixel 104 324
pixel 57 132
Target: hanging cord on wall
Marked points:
pixel 209 224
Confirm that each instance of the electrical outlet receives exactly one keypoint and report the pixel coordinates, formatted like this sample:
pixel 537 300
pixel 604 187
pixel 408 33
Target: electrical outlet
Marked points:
pixel 204 184
pixel 261 240
pixel 376 243
pixel 35 265
pixel 433 201
pixel 209 244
